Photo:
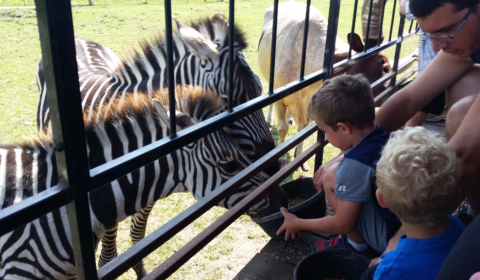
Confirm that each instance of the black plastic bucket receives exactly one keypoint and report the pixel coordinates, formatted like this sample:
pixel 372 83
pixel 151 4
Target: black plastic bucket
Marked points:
pixel 331 264
pixel 313 206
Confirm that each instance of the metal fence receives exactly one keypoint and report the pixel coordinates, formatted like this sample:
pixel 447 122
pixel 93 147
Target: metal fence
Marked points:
pixel 58 50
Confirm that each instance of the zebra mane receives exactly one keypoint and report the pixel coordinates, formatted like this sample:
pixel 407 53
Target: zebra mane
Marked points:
pixel 40 140
pixel 194 102
pixel 215 29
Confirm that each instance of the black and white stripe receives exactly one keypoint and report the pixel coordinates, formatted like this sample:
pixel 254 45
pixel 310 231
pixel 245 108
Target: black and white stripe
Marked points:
pixel 42 249
pixel 104 77
pixel 195 63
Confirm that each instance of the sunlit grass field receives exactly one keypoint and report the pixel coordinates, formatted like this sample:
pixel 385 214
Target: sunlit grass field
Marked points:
pixel 119 25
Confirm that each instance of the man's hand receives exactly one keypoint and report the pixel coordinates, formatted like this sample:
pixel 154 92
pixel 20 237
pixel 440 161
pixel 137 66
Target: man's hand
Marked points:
pixel 291 230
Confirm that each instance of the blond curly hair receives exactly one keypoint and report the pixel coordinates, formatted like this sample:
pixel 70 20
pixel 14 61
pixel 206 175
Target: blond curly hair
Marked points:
pixel 417 176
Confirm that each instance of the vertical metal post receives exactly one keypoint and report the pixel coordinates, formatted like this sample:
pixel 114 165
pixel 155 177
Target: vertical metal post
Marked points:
pixel 393 19
pixel 333 14
pixel 380 31
pixel 305 40
pixel 170 66
pixel 58 51
pixel 352 31
pixel 231 57
pixel 331 37
pixel 397 51
pixel 274 47
pixel 367 36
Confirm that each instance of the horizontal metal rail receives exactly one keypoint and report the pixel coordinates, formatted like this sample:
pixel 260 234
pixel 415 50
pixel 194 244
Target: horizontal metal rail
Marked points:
pixel 134 254
pixel 196 244
pixel 33 208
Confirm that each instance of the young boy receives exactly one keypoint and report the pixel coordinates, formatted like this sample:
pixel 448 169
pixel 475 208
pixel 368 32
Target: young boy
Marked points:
pixel 344 110
pixel 417 178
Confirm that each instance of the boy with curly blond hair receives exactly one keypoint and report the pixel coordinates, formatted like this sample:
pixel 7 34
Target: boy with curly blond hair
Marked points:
pixel 417 178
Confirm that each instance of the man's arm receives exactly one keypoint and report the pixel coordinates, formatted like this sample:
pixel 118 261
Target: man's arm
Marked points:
pixel 441 73
pixel 466 144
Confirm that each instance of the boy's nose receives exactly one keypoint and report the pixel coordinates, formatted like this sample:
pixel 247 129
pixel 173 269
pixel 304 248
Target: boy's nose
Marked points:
pixel 438 45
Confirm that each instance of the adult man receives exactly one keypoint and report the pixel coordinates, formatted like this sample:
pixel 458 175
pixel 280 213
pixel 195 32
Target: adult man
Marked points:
pixel 454 27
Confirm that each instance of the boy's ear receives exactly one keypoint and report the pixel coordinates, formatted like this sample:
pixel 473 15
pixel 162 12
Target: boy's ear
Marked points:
pixel 344 127
pixel 380 199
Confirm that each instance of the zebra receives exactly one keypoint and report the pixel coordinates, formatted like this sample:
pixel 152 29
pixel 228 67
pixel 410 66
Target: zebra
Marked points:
pixel 200 58
pixel 30 252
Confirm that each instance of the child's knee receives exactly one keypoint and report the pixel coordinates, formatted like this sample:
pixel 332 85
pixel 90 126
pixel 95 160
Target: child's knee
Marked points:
pixel 330 178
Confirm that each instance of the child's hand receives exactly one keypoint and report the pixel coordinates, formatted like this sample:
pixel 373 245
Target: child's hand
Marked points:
pixel 289 226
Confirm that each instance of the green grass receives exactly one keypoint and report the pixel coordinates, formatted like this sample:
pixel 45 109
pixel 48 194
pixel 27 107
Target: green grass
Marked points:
pixel 119 25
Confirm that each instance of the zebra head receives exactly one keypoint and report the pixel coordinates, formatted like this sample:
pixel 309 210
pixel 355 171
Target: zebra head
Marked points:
pixel 199 167
pixel 220 159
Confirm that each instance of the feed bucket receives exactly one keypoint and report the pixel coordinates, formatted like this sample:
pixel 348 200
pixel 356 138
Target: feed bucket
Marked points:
pixel 332 264
pixel 313 205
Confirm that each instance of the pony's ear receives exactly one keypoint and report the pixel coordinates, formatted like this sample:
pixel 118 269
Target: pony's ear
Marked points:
pixel 355 42
pixel 198 45
pixel 162 112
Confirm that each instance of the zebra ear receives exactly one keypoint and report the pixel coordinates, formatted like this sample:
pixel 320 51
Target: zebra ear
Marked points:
pixel 198 45
pixel 162 112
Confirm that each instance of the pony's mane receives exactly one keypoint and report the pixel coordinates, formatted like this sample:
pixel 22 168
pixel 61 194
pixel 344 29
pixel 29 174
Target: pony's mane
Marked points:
pixel 206 26
pixel 195 102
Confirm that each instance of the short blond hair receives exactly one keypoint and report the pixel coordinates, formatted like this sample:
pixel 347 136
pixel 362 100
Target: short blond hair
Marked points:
pixel 345 98
pixel 417 176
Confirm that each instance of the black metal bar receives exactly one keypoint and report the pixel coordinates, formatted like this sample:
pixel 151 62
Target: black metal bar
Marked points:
pixel 367 36
pixel 380 30
pixel 274 47
pixel 140 250
pixel 333 13
pixel 231 57
pixel 170 66
pixel 398 49
pixel 305 40
pixel 59 61
pixel 393 19
pixel 197 243
pixel 33 207
pixel 319 154
pixel 352 31
pixel 411 26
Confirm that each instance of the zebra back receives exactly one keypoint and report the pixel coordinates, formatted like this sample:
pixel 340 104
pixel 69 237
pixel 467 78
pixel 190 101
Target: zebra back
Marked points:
pixel 144 70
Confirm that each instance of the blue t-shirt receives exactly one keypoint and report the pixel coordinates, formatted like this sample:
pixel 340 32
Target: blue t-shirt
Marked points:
pixel 356 179
pixel 476 56
pixel 419 258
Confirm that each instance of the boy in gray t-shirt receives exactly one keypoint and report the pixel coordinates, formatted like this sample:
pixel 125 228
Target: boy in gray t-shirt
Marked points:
pixel 344 110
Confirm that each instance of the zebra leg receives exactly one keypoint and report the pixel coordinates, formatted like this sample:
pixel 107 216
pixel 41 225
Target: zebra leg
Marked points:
pixel 138 227
pixel 109 246
pixel 270 117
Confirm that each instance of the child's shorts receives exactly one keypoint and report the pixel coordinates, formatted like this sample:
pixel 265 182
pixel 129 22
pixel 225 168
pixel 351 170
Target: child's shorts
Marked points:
pixel 373 228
